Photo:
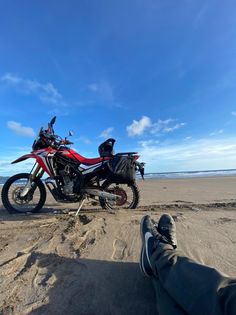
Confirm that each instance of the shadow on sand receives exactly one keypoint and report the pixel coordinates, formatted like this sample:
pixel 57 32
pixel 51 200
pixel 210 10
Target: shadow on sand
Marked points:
pixel 83 286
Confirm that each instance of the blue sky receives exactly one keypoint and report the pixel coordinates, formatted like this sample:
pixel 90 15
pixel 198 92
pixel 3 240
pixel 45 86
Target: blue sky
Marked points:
pixel 159 76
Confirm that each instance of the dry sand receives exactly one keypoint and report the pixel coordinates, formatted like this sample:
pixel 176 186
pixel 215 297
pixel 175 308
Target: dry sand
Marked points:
pixel 54 263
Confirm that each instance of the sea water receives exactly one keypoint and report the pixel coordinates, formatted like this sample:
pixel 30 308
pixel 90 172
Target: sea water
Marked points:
pixel 190 174
pixel 173 175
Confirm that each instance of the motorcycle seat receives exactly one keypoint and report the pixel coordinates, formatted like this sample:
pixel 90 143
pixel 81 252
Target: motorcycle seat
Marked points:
pixel 89 161
pixel 92 161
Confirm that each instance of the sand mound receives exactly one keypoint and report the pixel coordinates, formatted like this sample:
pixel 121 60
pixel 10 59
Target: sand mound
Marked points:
pixel 50 274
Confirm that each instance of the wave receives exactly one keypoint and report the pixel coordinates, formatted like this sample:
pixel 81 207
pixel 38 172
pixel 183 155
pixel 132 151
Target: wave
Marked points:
pixel 191 174
pixel 173 175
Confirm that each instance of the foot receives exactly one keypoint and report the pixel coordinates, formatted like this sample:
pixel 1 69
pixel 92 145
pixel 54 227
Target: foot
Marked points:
pixel 148 242
pixel 167 228
pixel 151 235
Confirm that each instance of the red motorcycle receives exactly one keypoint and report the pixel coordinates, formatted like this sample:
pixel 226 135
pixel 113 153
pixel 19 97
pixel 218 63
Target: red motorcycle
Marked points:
pixel 110 178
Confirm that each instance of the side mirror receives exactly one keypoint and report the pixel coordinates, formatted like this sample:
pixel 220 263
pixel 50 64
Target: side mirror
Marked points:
pixel 52 122
pixel 71 133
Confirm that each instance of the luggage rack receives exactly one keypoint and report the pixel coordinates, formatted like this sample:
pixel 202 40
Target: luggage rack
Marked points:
pixel 126 153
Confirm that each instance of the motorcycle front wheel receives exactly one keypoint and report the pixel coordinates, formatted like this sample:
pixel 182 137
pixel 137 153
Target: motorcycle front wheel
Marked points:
pixel 11 195
pixel 128 193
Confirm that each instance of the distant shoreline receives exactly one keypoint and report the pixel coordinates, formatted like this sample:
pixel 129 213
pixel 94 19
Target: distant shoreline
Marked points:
pixel 190 174
pixel 173 175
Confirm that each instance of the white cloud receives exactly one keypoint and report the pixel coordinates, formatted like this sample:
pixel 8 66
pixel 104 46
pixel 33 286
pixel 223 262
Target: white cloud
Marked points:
pixel 137 128
pixel 199 154
pixel 107 133
pixel 7 169
pixel 146 143
pixel 46 92
pixel 85 140
pixel 187 138
pixel 217 132
pixel 93 87
pixel 164 126
pixel 20 130
pixel 160 125
pixel 103 89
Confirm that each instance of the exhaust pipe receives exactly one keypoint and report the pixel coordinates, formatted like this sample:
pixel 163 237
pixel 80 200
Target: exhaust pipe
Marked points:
pixel 102 194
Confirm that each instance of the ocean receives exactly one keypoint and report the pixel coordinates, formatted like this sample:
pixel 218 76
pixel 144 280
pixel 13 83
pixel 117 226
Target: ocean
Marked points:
pixel 174 175
pixel 191 174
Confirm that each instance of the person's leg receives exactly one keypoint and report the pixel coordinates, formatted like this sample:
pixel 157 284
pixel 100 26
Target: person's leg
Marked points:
pixel 165 304
pixel 196 288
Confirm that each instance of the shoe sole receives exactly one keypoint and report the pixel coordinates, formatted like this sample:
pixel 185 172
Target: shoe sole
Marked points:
pixel 141 263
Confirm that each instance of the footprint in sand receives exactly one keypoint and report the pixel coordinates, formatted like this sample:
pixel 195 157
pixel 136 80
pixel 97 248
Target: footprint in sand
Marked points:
pixel 43 278
pixel 178 217
pixel 119 249
pixel 224 220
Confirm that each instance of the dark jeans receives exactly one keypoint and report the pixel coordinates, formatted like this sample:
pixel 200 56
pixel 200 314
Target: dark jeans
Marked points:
pixel 186 287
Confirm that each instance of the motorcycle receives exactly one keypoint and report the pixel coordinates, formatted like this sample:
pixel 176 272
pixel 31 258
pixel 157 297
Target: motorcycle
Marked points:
pixel 109 179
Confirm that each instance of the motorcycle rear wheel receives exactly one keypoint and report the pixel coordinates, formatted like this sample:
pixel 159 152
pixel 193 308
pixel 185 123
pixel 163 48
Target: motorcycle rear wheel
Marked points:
pixel 32 202
pixel 129 196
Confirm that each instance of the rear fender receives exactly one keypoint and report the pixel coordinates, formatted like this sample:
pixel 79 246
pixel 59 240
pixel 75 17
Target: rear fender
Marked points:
pixel 140 167
pixel 23 158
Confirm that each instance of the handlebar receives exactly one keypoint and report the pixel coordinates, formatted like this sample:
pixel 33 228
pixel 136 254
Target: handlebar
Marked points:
pixel 65 141
pixel 47 138
pixel 55 140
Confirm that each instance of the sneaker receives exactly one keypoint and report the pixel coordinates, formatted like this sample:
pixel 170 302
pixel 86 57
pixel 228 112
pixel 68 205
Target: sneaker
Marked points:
pixel 152 234
pixel 148 242
pixel 167 228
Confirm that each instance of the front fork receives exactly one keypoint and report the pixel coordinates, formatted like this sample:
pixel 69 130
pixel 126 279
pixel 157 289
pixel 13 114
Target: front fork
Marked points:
pixel 36 172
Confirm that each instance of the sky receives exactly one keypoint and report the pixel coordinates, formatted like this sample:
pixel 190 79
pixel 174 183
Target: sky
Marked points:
pixel 159 76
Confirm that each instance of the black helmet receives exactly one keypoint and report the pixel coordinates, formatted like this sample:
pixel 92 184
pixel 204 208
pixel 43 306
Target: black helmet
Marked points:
pixel 106 148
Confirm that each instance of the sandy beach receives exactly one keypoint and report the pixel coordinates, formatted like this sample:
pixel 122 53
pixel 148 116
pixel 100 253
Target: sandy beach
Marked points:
pixel 56 263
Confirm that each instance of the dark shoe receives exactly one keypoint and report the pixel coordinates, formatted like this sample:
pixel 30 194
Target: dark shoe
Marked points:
pixel 152 234
pixel 167 228
pixel 148 242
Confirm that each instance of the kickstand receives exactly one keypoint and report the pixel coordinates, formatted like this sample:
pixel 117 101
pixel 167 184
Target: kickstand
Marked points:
pixel 80 206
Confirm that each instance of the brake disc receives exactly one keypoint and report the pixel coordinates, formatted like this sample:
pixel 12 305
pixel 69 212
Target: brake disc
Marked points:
pixel 16 196
pixel 122 193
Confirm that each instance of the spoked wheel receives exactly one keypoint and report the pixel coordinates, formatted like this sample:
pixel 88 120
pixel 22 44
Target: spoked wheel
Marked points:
pixel 128 192
pixel 14 202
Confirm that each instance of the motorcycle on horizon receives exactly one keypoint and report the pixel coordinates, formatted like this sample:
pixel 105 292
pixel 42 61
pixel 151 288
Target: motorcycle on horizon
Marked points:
pixel 110 178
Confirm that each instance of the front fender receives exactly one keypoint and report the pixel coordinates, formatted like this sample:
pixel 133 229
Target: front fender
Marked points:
pixel 23 158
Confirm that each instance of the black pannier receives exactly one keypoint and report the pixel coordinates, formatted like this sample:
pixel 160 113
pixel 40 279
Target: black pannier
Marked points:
pixel 121 170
